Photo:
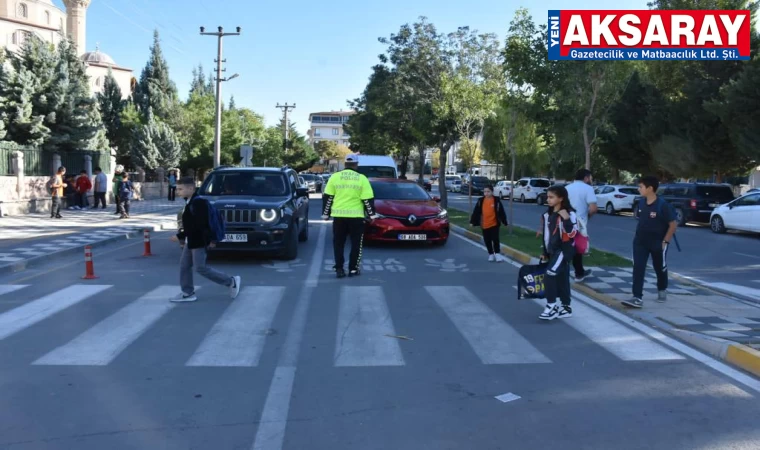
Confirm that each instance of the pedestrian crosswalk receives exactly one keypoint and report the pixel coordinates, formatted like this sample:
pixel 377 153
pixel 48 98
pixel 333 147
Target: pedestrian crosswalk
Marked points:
pixel 365 335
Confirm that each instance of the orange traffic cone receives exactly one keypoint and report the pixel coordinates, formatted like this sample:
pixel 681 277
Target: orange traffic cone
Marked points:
pixel 88 264
pixel 146 240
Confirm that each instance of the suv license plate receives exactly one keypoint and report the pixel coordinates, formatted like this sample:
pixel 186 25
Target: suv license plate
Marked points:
pixel 235 238
pixel 714 205
pixel 412 237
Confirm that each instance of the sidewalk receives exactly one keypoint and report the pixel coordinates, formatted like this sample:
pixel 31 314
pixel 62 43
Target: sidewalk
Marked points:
pixel 725 327
pixel 24 239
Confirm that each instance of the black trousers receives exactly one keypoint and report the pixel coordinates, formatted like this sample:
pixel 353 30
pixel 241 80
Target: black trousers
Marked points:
pixel 642 250
pixel 557 281
pixel 55 207
pixel 491 240
pixel 172 193
pixel 100 198
pixel 118 202
pixel 343 228
pixel 578 265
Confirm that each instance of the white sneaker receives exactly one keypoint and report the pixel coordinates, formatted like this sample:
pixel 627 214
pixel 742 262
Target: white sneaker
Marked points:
pixel 235 286
pixel 184 298
pixel 551 311
pixel 491 258
pixel 500 258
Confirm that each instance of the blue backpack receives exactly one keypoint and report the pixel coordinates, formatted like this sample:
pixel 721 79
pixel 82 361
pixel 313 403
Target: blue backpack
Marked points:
pixel 659 202
pixel 125 190
pixel 215 220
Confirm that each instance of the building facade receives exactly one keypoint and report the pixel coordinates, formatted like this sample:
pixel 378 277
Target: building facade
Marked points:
pixel 328 126
pixel 20 19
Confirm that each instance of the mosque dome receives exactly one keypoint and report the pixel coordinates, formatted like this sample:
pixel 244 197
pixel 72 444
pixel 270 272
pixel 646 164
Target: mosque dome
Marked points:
pixel 98 57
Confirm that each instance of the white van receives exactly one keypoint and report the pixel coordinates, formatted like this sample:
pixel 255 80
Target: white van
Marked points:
pixel 377 166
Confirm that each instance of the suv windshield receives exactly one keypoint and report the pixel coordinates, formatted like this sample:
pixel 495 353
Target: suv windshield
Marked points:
pixel 309 177
pixel 399 191
pixel 247 183
pixel 480 180
pixel 377 171
pixel 717 192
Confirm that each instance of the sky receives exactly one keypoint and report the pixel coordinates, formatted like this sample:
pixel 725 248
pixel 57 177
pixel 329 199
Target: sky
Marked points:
pixel 316 54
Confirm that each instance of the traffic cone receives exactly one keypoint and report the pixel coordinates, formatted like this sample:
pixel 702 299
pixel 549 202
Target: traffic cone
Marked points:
pixel 146 240
pixel 88 265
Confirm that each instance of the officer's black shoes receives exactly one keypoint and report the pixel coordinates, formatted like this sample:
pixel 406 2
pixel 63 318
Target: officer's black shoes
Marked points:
pixel 340 273
pixel 354 273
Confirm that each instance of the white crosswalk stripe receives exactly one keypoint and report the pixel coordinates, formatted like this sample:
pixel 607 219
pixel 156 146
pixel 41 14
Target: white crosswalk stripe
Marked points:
pixel 28 314
pixel 492 339
pixel 99 345
pixel 364 324
pixel 365 335
pixel 237 339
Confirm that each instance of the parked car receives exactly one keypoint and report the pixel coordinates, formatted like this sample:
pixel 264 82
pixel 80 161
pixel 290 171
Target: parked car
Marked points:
pixel 264 208
pixel 541 199
pixel 449 183
pixel 530 188
pixel 503 189
pixel 615 198
pixel 406 212
pixel 456 186
pixel 477 182
pixel 742 214
pixel 314 182
pixel 694 202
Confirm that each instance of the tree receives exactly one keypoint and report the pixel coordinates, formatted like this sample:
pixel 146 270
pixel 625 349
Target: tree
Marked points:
pixel 111 107
pixel 232 103
pixel 156 145
pixel 269 152
pixel 156 92
pixel 326 150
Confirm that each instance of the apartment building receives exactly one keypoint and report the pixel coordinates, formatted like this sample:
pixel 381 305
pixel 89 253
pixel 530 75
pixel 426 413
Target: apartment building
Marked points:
pixel 328 126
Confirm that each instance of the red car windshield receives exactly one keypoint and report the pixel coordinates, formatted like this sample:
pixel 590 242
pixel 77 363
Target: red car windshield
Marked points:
pixel 399 191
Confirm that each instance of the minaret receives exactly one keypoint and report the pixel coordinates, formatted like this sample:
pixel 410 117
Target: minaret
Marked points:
pixel 76 23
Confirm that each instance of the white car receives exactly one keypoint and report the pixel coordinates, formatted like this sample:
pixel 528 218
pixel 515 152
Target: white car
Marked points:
pixel 502 189
pixel 456 186
pixel 450 180
pixel 742 214
pixel 612 198
pixel 530 188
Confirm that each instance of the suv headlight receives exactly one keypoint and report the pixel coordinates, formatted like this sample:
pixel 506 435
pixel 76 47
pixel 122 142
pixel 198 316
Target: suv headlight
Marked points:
pixel 268 215
pixel 443 214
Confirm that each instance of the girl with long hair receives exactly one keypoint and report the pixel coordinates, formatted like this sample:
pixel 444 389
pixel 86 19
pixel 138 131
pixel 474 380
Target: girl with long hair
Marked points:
pixel 560 226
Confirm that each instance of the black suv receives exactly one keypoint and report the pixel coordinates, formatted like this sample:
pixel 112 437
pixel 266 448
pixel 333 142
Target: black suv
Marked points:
pixel 693 202
pixel 263 208
pixel 478 184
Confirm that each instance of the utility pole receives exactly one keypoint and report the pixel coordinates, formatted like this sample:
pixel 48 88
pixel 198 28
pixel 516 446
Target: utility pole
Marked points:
pixel 285 109
pixel 218 127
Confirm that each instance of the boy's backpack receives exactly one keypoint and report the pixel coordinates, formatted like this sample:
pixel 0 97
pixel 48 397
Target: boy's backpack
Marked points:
pixel 659 204
pixel 530 281
pixel 49 186
pixel 215 220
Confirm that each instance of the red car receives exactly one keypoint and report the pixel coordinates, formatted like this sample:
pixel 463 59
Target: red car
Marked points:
pixel 406 213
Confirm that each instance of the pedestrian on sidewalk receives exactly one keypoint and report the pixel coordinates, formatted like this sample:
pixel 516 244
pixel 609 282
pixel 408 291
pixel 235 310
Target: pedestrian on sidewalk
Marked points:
pixel 195 236
pixel 57 186
pixel 489 215
pixel 101 187
pixel 83 186
pixel 583 199
pixel 126 190
pixel 172 178
pixel 656 227
pixel 347 198
pixel 71 192
pixel 560 225
pixel 117 177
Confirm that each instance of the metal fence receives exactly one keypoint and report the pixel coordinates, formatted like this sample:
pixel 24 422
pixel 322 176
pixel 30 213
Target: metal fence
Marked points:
pixel 38 162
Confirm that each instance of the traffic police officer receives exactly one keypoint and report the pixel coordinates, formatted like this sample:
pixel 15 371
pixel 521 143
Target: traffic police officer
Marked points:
pixel 347 197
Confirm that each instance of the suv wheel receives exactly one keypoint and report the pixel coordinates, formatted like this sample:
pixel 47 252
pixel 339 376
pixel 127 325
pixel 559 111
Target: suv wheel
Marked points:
pixel 522 198
pixel 540 200
pixel 717 225
pixel 303 236
pixel 609 209
pixel 680 217
pixel 291 248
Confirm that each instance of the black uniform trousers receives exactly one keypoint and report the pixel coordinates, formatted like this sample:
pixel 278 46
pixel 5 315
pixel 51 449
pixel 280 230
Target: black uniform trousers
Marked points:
pixel 343 228
pixel 643 248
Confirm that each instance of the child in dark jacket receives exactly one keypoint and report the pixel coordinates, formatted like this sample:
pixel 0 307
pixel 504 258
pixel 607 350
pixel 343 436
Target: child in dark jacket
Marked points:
pixel 559 229
pixel 489 215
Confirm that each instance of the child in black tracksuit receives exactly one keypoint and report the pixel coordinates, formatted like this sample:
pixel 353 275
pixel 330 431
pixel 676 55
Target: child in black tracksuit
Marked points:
pixel 489 215
pixel 559 228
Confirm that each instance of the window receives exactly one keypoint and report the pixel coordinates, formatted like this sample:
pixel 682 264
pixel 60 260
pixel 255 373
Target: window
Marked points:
pixel 345 133
pixel 399 191
pixel 750 200
pixel 97 81
pixel 715 192
pixel 377 171
pixel 23 10
pixel 629 191
pixel 21 36
pixel 317 132
pixel 335 131
pixel 249 183
pixel 540 183
pixel 47 17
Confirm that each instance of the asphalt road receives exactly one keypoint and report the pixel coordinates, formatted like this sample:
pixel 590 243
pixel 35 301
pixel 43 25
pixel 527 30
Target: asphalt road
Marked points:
pixel 731 258
pixel 410 355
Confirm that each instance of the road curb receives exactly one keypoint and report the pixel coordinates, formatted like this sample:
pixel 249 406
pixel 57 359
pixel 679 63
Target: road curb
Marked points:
pixel 37 260
pixel 731 352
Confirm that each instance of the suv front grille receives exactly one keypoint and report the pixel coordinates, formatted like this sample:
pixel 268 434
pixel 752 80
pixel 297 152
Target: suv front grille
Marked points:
pixel 240 215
